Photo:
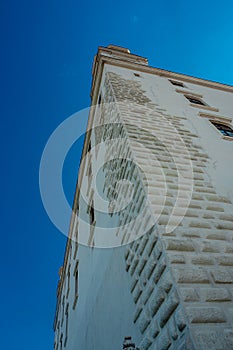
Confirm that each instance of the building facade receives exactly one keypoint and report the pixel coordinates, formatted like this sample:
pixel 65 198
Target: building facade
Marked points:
pixel 150 248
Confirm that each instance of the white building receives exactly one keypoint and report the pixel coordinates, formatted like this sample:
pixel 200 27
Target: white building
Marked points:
pixel 150 253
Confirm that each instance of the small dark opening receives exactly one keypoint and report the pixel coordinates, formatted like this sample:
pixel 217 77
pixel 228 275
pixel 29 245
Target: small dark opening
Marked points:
pixel 92 214
pixel 224 129
pixel 177 83
pixel 195 100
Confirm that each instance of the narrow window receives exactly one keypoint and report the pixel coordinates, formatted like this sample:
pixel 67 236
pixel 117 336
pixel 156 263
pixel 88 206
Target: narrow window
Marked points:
pixel 195 100
pixel 68 282
pixel 92 214
pixel 99 100
pixel 177 83
pixel 225 130
pixel 61 337
pixel 75 284
pixel 89 171
pixel 67 317
pixel 63 309
pixel 76 241
pixel 89 147
pixel 58 336
pixel 76 232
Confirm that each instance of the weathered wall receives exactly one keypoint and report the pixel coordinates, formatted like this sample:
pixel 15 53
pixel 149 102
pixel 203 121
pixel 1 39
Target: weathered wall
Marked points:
pixel 199 250
pixel 170 283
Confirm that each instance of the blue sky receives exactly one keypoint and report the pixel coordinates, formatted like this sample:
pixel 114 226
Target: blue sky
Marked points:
pixel 47 52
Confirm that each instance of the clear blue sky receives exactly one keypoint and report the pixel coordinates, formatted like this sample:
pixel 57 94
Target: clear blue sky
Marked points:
pixel 47 52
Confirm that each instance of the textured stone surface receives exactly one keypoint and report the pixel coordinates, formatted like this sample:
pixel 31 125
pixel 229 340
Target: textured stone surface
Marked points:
pixel 195 248
pixel 205 315
pixel 180 281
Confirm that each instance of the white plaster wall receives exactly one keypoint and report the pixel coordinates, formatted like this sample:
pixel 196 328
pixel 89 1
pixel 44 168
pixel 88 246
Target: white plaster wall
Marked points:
pixel 162 92
pixel 105 302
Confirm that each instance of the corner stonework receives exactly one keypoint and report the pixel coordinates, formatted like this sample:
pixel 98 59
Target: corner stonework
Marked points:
pixel 182 281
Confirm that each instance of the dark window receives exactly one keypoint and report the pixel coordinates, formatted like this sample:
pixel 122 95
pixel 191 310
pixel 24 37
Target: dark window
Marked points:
pixel 67 319
pixel 76 280
pixel 92 214
pixel 224 129
pixel 61 337
pixel 76 283
pixel 195 100
pixel 63 309
pixel 177 83
pixel 137 75
pixel 99 100
pixel 89 171
pixel 68 282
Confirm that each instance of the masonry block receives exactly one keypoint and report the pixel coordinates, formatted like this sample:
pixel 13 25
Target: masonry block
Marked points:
pixel 191 275
pixel 205 315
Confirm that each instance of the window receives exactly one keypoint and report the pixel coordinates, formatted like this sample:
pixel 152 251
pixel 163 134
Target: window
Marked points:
pixel 225 130
pixel 75 238
pixel 137 75
pixel 89 170
pixel 68 282
pixel 76 280
pixel 89 147
pixel 61 337
pixel 56 343
pixel 195 100
pixel 89 174
pixel 99 100
pixel 75 284
pixel 177 83
pixel 67 316
pixel 63 309
pixel 92 214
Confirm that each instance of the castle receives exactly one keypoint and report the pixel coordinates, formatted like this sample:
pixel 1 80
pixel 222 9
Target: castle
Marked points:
pixel 150 249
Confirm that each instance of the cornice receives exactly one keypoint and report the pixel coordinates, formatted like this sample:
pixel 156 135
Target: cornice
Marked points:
pixel 133 62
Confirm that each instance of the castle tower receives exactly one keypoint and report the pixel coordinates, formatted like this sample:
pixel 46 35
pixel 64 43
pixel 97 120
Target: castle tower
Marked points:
pixel 150 250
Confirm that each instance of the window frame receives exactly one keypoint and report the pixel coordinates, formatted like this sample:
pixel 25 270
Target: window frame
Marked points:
pixel 76 230
pixel 67 323
pixel 196 98
pixel 220 122
pixel 92 218
pixel 63 310
pixel 61 341
pixel 177 83
pixel 76 283
pixel 68 281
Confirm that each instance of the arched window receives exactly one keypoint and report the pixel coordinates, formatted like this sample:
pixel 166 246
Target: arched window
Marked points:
pixel 226 130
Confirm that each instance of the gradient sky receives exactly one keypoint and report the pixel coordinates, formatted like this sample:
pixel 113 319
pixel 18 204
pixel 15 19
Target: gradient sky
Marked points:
pixel 46 59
